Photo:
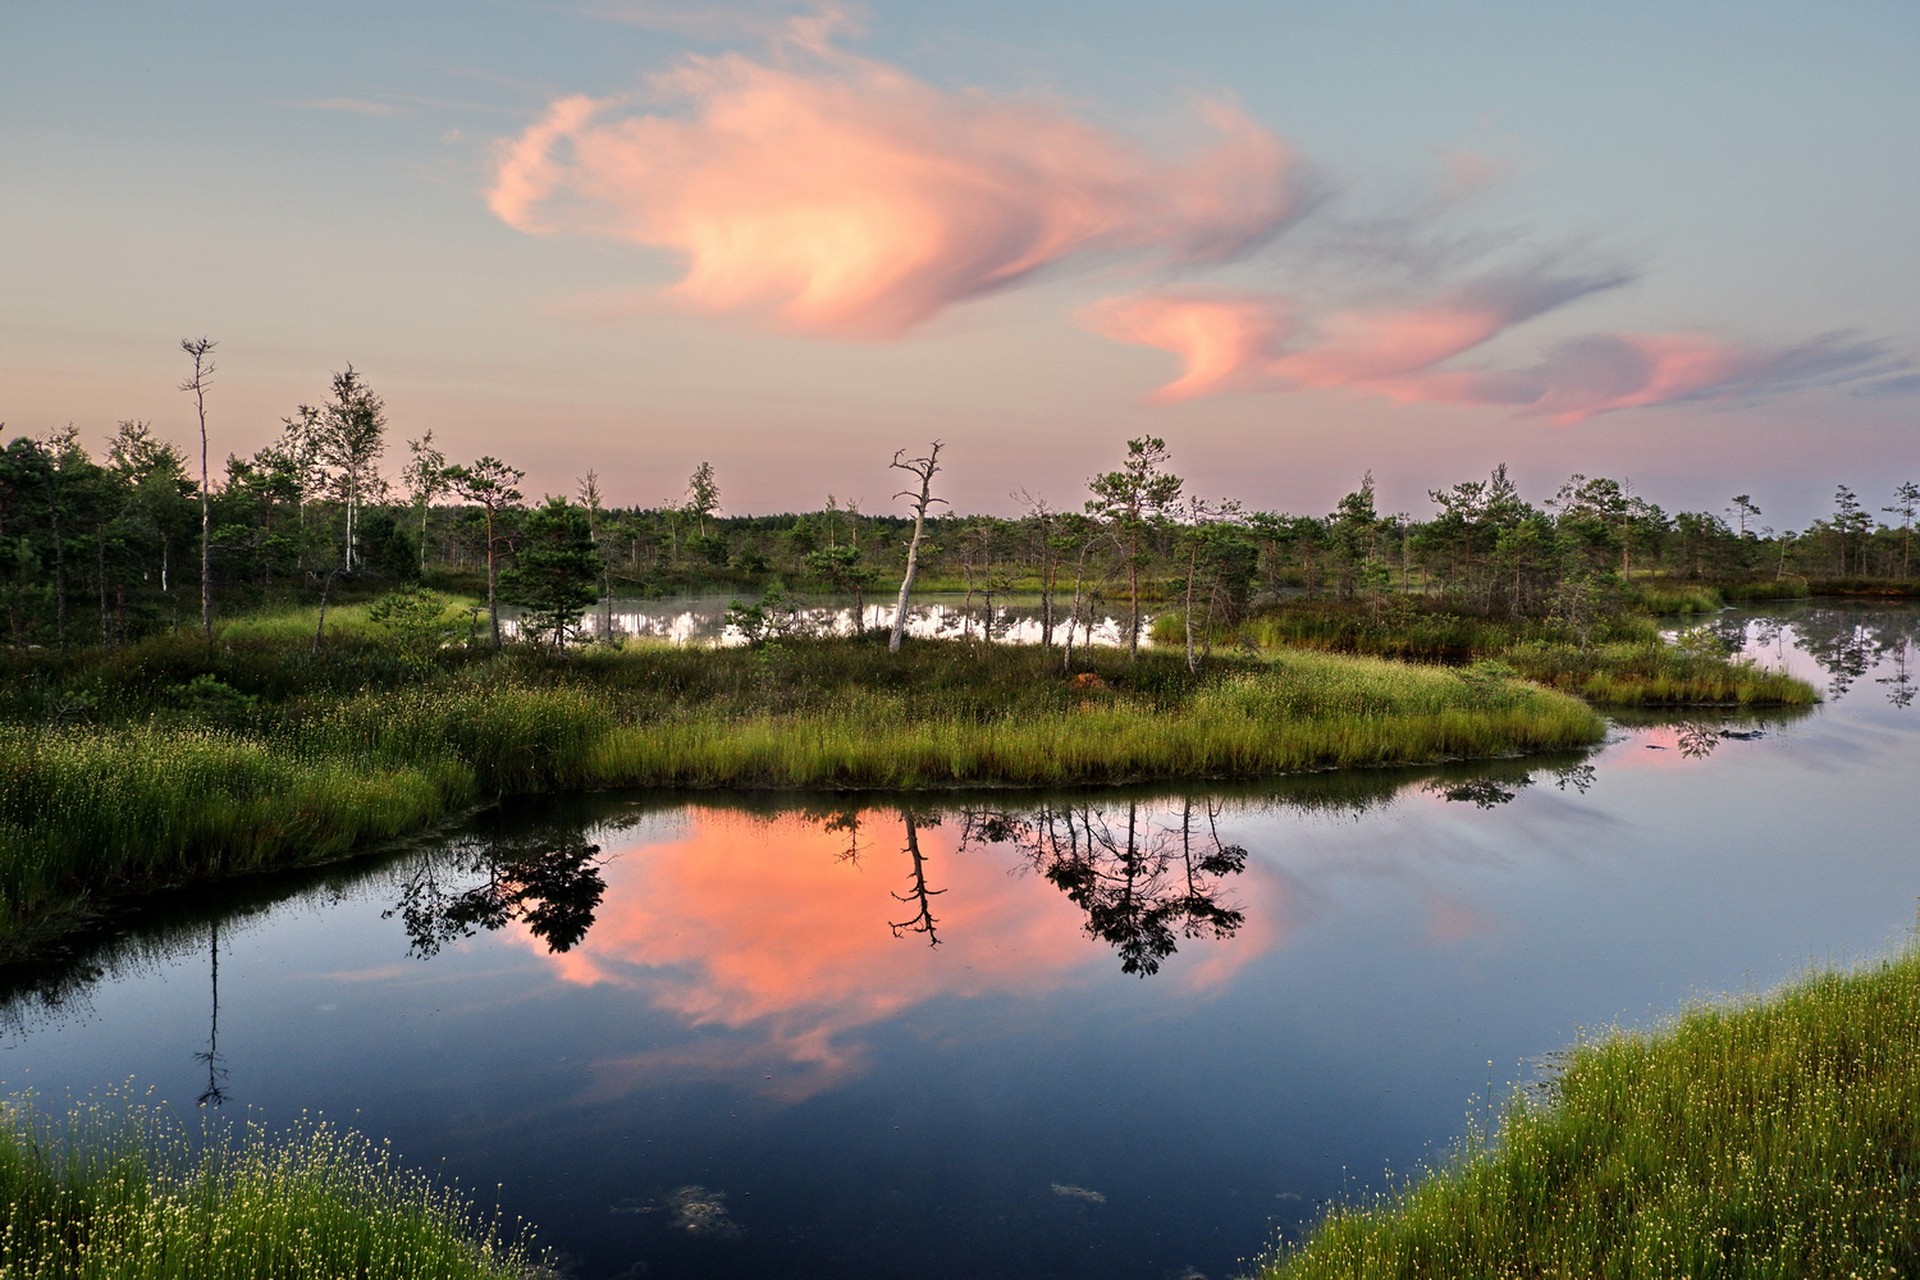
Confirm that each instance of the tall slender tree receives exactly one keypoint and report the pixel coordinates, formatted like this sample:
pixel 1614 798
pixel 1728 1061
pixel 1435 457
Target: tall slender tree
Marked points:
pixel 1906 504
pixel 490 483
pixel 426 477
pixel 352 436
pixel 922 469
pixel 596 518
pixel 1132 501
pixel 200 351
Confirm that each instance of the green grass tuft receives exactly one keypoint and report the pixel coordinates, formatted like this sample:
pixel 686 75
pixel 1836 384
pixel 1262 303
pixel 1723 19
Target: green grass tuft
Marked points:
pixel 1767 1140
pixel 126 1191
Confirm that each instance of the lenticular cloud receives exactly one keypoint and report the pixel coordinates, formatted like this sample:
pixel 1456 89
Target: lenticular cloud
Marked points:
pixel 845 198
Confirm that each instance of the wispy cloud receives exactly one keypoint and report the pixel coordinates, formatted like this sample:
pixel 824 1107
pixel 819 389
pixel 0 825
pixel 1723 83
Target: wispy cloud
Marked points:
pixel 354 106
pixel 1242 341
pixel 750 20
pixel 841 196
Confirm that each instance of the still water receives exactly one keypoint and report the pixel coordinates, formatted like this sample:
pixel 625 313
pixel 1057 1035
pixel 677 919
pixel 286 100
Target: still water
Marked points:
pixel 1005 619
pixel 1108 1034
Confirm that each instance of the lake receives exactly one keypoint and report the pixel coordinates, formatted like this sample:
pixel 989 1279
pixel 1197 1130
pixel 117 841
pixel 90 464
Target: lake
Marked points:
pixel 1093 1034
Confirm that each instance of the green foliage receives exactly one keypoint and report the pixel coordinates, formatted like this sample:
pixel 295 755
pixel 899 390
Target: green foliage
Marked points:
pixel 420 622
pixel 557 573
pixel 119 1188
pixel 1751 1141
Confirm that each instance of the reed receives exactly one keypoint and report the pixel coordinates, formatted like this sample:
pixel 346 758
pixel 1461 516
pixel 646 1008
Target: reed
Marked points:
pixel 1765 1139
pixel 121 1190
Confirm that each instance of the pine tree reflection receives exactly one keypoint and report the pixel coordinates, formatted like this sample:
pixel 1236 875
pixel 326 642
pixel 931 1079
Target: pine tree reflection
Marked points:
pixel 553 889
pixel 1144 885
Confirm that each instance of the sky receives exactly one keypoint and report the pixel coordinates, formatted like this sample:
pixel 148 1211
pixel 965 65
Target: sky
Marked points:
pixel 1672 244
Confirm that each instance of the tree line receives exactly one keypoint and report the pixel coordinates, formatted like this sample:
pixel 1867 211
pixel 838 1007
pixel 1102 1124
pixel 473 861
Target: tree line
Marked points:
pixel 100 549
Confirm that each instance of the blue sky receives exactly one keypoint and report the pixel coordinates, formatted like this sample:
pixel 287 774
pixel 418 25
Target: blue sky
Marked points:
pixel 1670 243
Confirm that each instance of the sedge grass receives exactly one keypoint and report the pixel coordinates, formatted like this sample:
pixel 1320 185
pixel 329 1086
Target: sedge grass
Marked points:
pixel 280 773
pixel 1768 1140
pixel 120 1190
pixel 1623 662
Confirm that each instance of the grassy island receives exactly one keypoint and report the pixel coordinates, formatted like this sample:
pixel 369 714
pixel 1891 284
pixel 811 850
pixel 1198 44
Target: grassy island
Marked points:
pixel 1768 1139
pixel 163 762
pixel 122 1190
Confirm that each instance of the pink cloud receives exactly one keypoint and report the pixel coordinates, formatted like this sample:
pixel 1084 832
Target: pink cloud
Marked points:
pixel 1604 373
pixel 1243 341
pixel 762 932
pixel 842 197
pixel 1237 341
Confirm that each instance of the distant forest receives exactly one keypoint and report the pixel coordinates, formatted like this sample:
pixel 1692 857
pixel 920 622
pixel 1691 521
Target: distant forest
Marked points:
pixel 100 550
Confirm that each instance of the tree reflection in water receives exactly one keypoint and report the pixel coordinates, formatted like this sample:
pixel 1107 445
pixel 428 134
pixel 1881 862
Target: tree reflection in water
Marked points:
pixel 917 895
pixel 1844 642
pixel 553 888
pixel 1144 884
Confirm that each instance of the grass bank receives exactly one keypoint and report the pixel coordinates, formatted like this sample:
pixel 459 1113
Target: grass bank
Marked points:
pixel 165 763
pixel 1620 661
pixel 1774 1139
pixel 115 1191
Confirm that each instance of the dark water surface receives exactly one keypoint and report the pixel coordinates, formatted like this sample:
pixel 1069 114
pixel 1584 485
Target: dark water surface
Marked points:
pixel 973 1037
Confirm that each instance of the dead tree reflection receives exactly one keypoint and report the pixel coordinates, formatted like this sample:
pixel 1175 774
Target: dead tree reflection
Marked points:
pixel 553 889
pixel 1144 884
pixel 917 895
pixel 216 1091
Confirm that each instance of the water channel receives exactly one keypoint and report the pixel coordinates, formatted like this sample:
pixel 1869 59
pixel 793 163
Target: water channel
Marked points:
pixel 1095 1034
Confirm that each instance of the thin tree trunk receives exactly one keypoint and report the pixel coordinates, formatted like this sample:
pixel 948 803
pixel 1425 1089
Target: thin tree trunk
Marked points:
pixel 100 558
pixel 493 604
pixel 1193 566
pixel 913 551
pixel 326 589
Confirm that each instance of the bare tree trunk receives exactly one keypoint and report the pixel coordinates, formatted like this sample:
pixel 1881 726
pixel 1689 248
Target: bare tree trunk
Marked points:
pixel 326 589
pixel 924 468
pixel 1193 566
pixel 59 566
pixel 1133 605
pixel 199 349
pixel 493 603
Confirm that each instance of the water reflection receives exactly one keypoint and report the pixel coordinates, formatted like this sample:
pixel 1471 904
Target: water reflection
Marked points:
pixel 721 1037
pixel 704 620
pixel 1843 641
pixel 215 1093
pixel 551 887
pixel 1143 881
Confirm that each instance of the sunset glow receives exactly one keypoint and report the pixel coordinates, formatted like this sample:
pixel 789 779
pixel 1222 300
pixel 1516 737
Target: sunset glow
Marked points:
pixel 791 237
pixel 766 927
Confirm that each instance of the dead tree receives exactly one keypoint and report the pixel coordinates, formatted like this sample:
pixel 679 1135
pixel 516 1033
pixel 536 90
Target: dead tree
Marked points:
pixel 924 469
pixel 200 350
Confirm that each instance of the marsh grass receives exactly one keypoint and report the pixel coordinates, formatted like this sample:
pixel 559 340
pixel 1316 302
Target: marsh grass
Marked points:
pixel 1657 674
pixel 1779 1138
pixel 1663 598
pixel 294 762
pixel 1621 661
pixel 120 1189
